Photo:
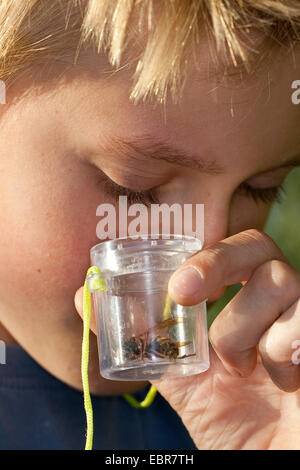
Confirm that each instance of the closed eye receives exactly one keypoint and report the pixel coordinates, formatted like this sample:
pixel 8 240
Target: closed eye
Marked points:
pixel 265 195
pixel 115 190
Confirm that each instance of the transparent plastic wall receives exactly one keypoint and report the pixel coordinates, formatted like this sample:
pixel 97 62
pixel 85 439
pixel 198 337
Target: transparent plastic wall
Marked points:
pixel 142 333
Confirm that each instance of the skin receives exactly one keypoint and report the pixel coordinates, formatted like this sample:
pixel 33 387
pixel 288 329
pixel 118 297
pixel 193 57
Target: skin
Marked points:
pixel 54 143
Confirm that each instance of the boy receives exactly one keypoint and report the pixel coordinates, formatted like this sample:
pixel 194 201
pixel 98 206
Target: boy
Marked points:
pixel 226 136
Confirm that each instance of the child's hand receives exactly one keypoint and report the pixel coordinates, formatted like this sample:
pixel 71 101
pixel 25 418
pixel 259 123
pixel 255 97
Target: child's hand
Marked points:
pixel 252 338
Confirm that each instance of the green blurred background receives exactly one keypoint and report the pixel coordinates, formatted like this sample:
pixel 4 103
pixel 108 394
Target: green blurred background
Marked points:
pixel 283 225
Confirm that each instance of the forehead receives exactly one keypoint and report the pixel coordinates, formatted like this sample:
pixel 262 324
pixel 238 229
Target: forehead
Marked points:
pixel 228 121
pixel 224 119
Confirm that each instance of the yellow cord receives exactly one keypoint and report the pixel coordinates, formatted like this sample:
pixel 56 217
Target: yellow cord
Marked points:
pixel 98 284
pixel 142 404
pixel 85 363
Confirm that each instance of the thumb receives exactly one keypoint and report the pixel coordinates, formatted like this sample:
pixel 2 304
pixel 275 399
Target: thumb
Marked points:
pixel 191 393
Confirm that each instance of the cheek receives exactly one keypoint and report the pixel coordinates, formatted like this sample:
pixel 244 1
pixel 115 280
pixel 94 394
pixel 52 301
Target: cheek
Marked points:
pixel 48 226
pixel 246 214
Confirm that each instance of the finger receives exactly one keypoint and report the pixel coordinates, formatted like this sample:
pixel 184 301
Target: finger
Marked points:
pixel 213 297
pixel 227 262
pixel 78 301
pixel 277 351
pixel 236 332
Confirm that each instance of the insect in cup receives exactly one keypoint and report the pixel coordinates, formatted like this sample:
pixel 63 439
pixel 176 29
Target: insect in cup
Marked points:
pixel 142 333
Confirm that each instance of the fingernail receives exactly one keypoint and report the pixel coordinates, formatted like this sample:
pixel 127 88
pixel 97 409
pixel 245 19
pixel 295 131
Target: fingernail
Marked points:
pixel 187 282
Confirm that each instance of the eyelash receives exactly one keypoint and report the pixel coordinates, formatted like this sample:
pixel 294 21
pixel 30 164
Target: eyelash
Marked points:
pixel 265 195
pixel 147 197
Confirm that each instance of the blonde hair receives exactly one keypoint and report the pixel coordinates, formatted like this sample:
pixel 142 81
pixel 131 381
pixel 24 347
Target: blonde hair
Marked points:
pixel 163 32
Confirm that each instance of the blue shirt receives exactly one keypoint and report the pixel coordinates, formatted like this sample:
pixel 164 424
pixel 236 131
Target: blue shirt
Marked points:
pixel 37 411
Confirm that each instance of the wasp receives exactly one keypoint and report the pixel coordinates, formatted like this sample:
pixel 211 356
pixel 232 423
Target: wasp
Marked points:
pixel 145 346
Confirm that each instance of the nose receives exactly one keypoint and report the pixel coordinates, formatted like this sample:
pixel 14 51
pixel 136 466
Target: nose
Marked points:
pixel 216 219
pixel 216 204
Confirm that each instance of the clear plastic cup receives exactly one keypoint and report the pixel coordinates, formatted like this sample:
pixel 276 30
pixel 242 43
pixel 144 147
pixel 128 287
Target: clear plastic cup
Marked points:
pixel 142 334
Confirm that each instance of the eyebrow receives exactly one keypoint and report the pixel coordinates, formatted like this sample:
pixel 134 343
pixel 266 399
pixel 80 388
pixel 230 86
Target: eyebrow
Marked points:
pixel 147 147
